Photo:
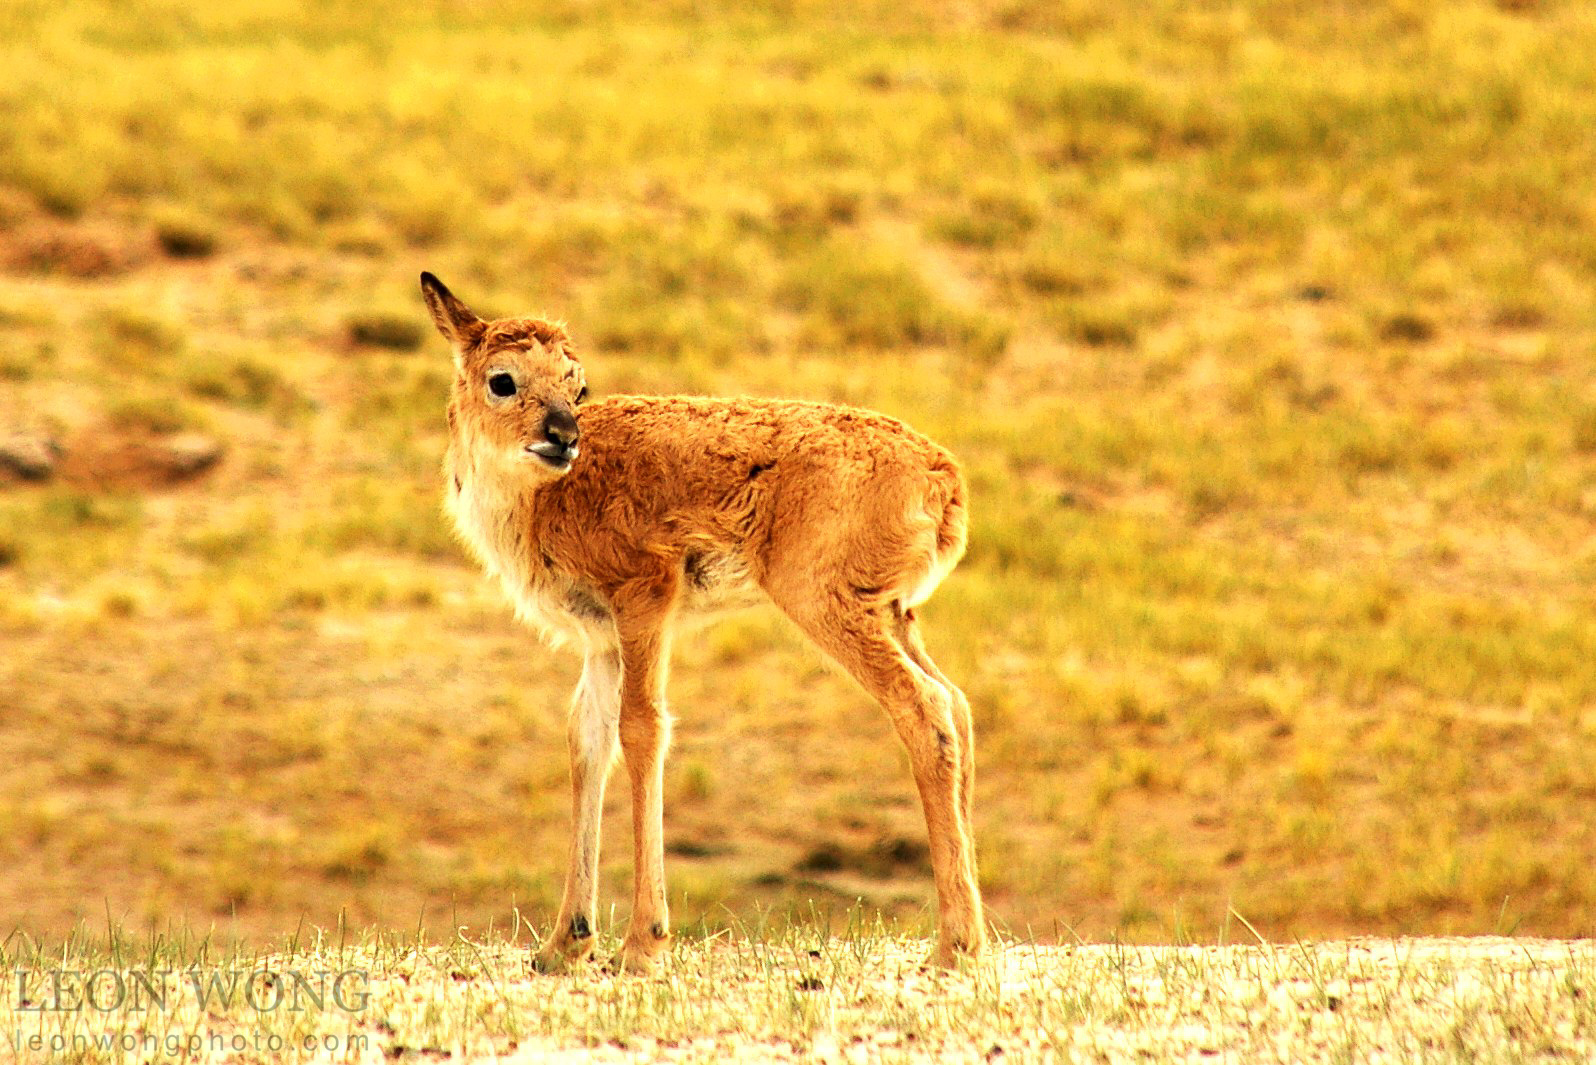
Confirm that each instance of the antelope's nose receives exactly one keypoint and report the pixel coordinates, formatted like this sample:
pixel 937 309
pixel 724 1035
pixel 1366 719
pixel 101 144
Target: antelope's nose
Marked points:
pixel 559 427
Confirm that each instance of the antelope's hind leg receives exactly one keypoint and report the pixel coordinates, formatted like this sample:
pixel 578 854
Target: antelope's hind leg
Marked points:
pixel 931 718
pixel 906 631
pixel 592 735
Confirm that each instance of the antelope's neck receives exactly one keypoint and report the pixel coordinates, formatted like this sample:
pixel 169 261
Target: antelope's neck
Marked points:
pixel 495 513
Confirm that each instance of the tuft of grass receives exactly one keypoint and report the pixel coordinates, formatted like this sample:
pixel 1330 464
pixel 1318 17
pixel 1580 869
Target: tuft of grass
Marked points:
pixel 379 329
pixel 138 341
pixel 15 366
pixel 1049 271
pixel 357 857
pixel 802 212
pixel 1408 327
pixel 1584 428
pixel 154 412
pixel 245 382
pixel 184 235
pixel 1099 325
pixel 992 215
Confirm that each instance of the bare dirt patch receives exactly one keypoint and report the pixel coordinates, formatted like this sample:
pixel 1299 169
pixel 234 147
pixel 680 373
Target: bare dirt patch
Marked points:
pixel 106 458
pixel 83 250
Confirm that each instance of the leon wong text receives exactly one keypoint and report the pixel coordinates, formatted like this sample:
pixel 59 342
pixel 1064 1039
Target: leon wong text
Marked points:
pixel 140 990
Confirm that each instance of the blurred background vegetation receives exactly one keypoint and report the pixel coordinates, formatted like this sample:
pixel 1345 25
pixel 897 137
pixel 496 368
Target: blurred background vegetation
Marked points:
pixel 1266 332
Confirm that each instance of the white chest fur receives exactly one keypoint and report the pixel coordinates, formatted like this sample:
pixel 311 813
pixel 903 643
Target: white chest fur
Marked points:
pixel 495 526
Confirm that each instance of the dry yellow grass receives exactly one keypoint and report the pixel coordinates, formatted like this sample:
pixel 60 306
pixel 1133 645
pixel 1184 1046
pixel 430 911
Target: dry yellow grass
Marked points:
pixel 860 997
pixel 1267 333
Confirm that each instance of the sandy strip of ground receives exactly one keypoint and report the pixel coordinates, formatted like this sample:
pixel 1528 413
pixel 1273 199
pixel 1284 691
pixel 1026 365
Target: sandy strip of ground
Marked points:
pixel 865 998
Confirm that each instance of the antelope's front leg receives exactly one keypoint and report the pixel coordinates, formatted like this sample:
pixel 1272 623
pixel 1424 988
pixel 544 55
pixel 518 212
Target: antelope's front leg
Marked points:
pixel 591 735
pixel 645 733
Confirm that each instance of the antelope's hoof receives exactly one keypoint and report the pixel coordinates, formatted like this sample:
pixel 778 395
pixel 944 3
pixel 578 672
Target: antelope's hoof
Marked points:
pixel 950 954
pixel 562 957
pixel 639 957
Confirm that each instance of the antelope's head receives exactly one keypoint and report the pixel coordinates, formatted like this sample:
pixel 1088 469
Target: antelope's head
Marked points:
pixel 517 383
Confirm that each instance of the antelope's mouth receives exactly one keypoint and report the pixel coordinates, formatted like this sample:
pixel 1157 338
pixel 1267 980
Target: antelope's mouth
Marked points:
pixel 555 456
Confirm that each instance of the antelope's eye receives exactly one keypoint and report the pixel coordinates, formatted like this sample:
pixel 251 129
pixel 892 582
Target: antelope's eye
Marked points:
pixel 581 397
pixel 501 384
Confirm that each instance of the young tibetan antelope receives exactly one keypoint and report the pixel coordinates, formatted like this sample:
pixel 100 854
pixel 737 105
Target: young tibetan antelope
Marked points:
pixel 606 522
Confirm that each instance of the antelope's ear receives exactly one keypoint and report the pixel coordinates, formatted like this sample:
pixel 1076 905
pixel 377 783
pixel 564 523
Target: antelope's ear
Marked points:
pixel 454 319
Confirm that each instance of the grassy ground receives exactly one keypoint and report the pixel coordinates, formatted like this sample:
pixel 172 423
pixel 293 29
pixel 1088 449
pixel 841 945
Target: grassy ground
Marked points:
pixel 1266 334
pixel 758 995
